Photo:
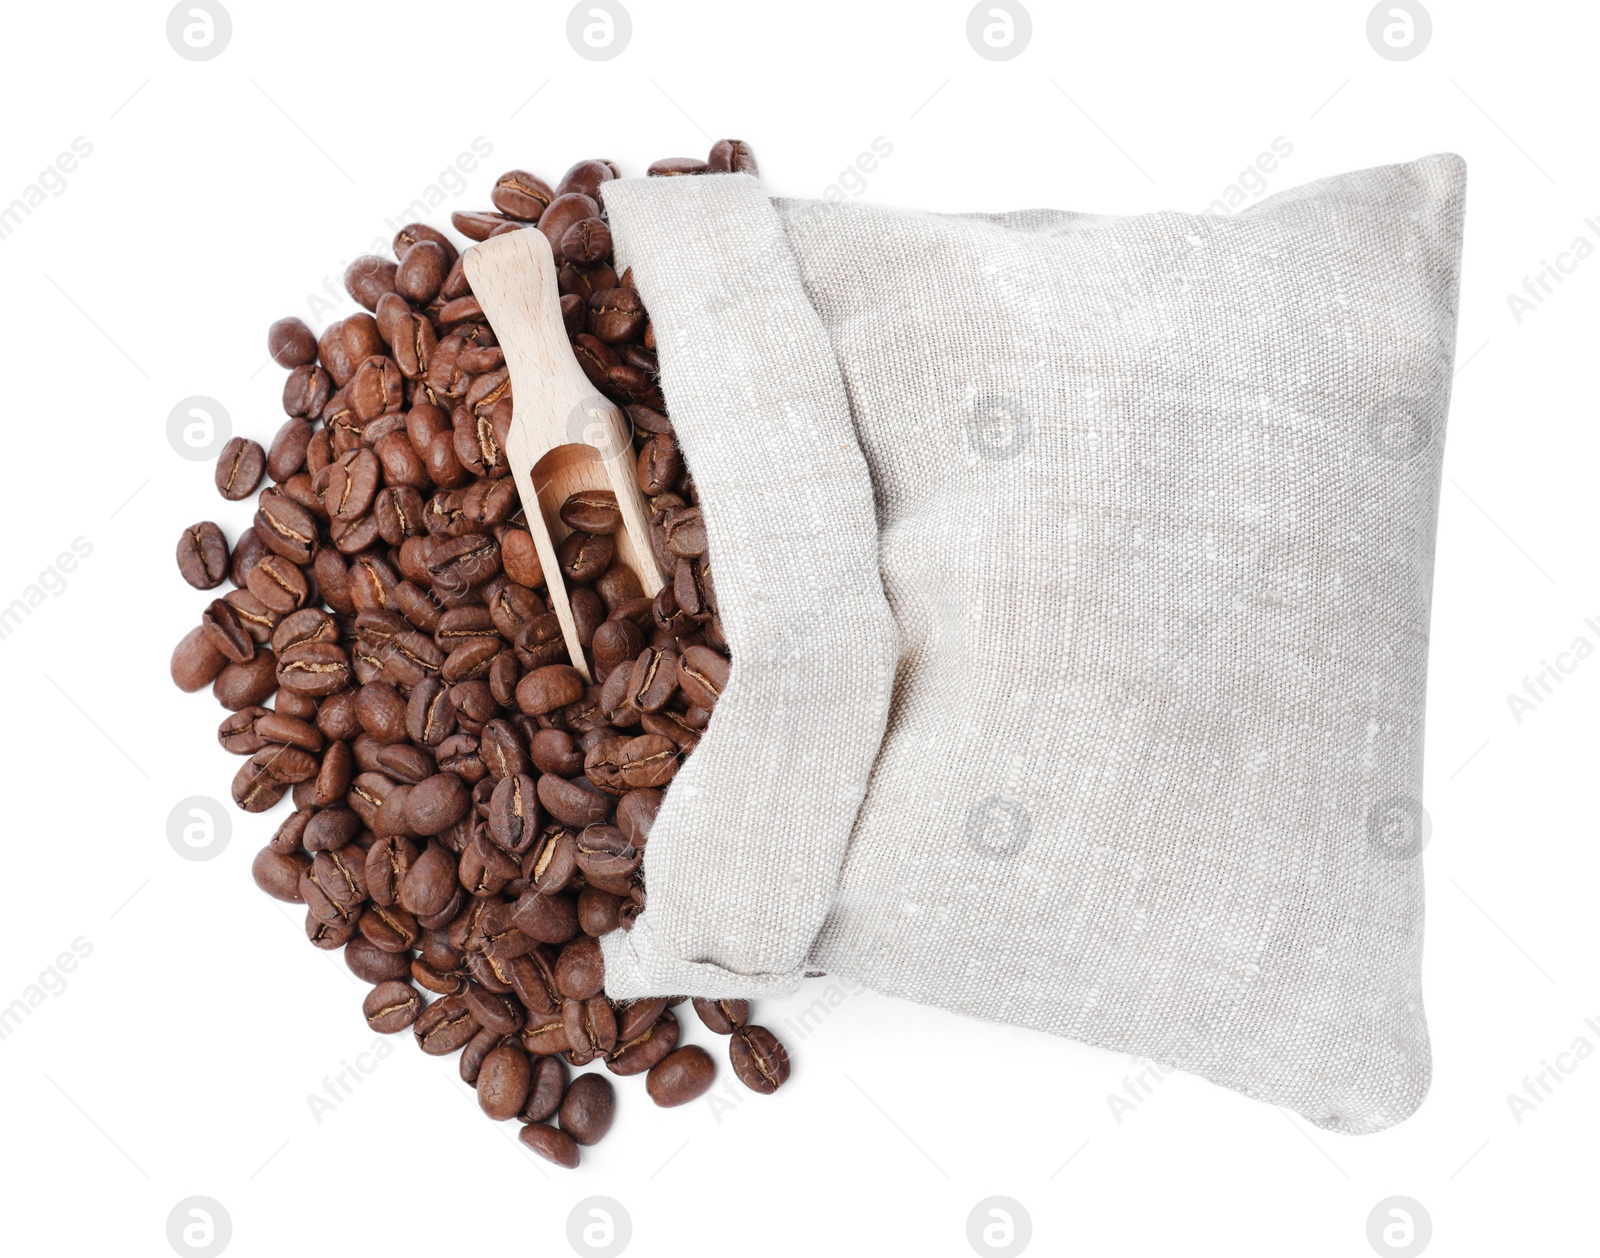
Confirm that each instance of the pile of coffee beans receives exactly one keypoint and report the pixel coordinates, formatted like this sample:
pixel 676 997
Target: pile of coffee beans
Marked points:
pixel 470 815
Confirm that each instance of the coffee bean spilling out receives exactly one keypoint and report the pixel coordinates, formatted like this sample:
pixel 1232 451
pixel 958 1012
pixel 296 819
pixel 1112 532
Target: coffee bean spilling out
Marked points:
pixel 469 814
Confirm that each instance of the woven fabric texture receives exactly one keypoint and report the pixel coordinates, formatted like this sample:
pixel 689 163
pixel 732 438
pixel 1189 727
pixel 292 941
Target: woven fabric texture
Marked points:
pixel 1076 571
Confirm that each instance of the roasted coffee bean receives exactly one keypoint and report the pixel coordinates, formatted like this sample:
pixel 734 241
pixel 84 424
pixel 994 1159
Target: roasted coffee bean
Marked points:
pixel 636 813
pixel 546 1089
pixel 546 1034
pixel 616 315
pixel 654 679
pixel 203 555
pixel 307 392
pixel 430 714
pixel 677 166
pixel 592 511
pixel 328 935
pixel 243 685
pixel 438 803
pixel 548 688
pixel 550 1143
pixel 586 242
pixel 599 912
pixel 389 928
pixel 702 675
pixel 391 1007
pixel 227 632
pixel 584 556
pixel 573 802
pixel 520 195
pixel 681 1076
pixel 239 468
pixel 686 532
pixel 724 1015
pixel 278 584
pixel 638 1050
pixel 759 1060
pixel 591 1028
pixel 369 278
pixel 580 971
pixel 732 155
pixel 291 343
pixel 647 761
pixel 287 454
pixel 314 668
pixel 588 1108
pixel 374 965
pixel 278 874
pixel 504 1081
pixel 562 213
pixel 287 528
pixel 431 880
pixel 445 1026
pixel 604 853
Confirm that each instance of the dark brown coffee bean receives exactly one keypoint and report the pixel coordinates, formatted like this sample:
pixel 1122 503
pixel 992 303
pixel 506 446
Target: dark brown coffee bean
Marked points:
pixel 648 761
pixel 291 343
pixel 279 584
pixel 548 688
pixel 584 556
pixel 586 242
pixel 681 1076
pixel 374 965
pixel 551 1144
pixel 278 874
pixel 616 315
pixel 731 155
pixel 589 1108
pixel 592 511
pixel 561 213
pixel 430 714
pixel 391 1007
pixel 503 1082
pixel 203 555
pixel 431 880
pixel 306 392
pixel 591 1028
pixel 580 970
pixel 239 468
pixel 636 813
pixel 390 928
pixel 641 1049
pixel 438 803
pixel 243 685
pixel 759 1060
pixel 573 802
pixel 677 166
pixel 702 675
pixel 226 632
pixel 599 912
pixel 548 1086
pixel 519 195
pixel 369 278
pixel 445 1026
pixel 287 454
pixel 686 532
pixel 604 854
pixel 314 668
pixel 545 1035
pixel 723 1015
pixel 653 680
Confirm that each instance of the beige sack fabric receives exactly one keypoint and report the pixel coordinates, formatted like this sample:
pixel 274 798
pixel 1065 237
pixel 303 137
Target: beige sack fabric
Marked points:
pixel 1076 571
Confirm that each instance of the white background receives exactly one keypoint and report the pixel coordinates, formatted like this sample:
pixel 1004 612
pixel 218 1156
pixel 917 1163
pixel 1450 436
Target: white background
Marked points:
pixel 219 194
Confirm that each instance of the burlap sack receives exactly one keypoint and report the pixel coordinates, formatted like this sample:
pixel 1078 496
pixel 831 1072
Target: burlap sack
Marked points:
pixel 1076 572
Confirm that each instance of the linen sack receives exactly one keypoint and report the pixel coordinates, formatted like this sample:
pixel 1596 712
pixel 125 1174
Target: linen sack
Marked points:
pixel 1076 572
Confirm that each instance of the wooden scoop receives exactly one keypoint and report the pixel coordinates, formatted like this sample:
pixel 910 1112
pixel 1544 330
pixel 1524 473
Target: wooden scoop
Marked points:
pixel 565 435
